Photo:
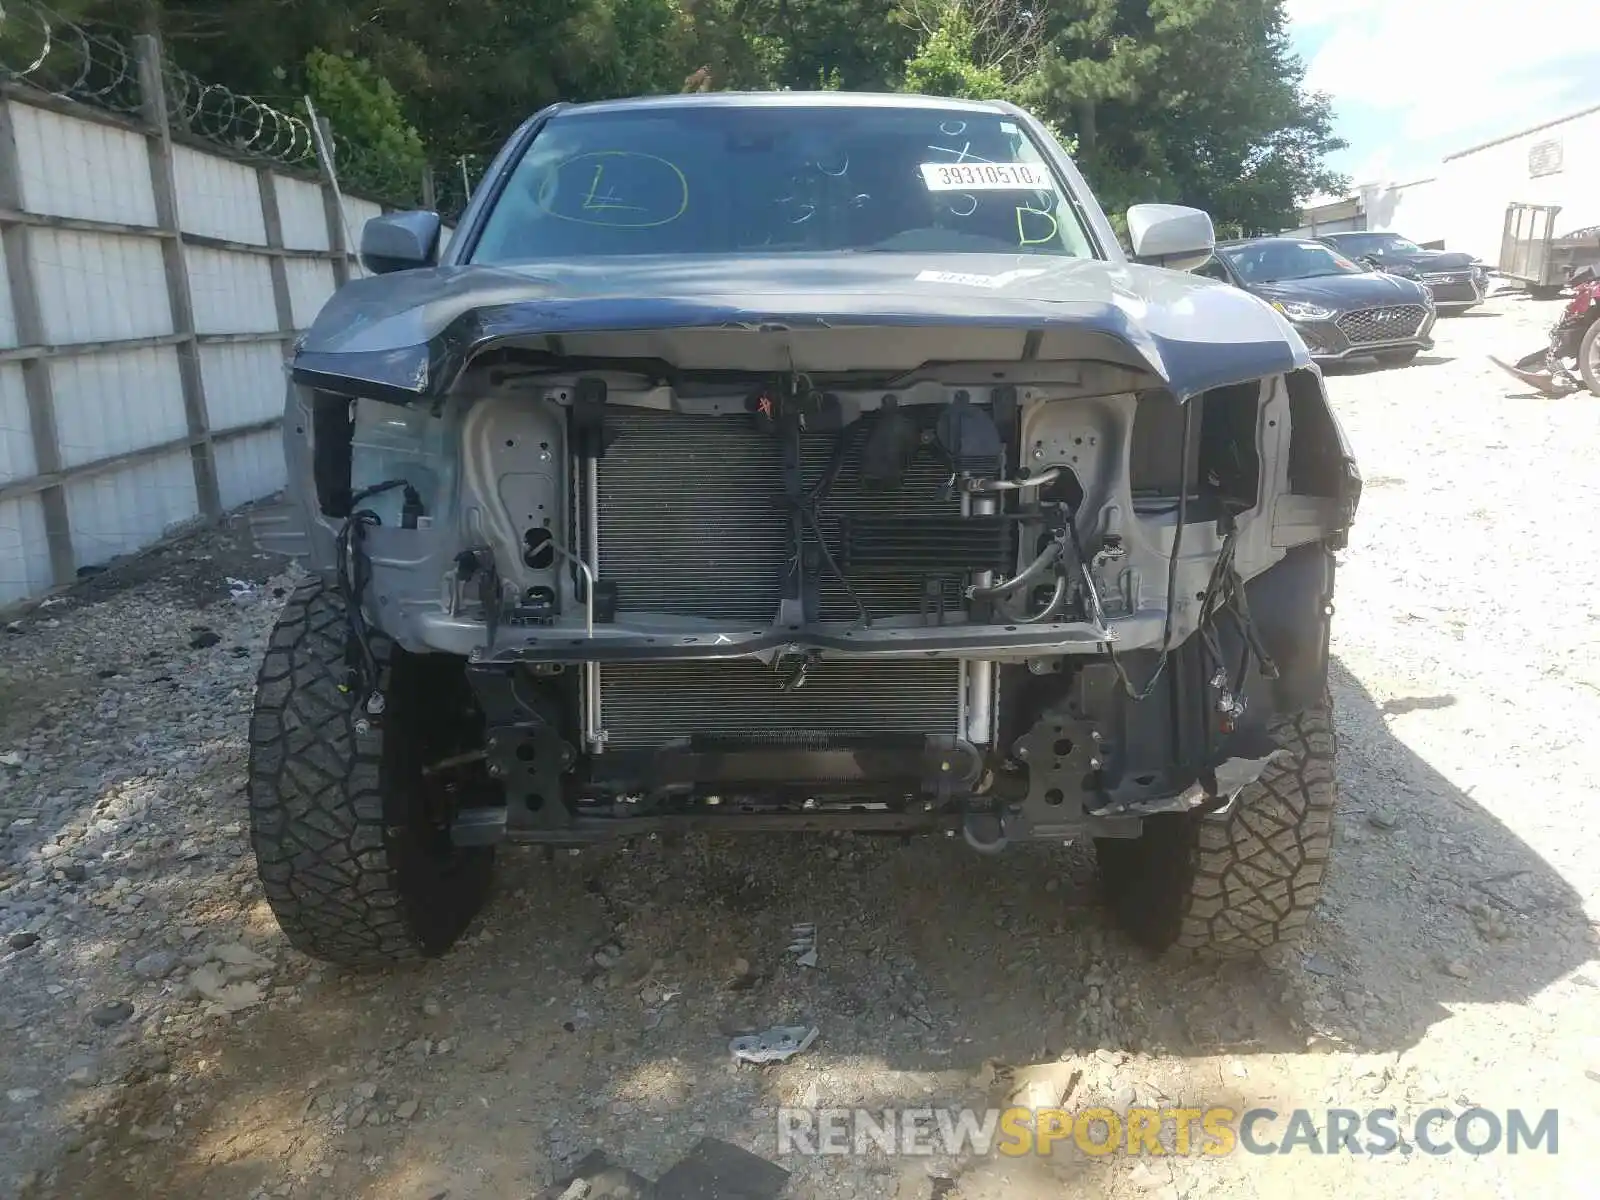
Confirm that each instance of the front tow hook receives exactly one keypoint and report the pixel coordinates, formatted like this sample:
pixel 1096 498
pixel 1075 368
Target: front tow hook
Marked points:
pixel 985 832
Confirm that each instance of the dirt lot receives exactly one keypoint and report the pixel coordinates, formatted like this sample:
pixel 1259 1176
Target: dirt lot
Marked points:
pixel 161 1039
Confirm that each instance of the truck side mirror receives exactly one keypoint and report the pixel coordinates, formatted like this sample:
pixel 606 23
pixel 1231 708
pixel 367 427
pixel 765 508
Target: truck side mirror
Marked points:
pixel 1171 235
pixel 400 241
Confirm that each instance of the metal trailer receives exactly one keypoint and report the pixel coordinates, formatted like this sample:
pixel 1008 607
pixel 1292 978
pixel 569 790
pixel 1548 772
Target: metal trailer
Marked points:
pixel 1531 252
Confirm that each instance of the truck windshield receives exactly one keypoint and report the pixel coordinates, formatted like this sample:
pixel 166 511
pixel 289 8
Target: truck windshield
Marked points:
pixel 771 179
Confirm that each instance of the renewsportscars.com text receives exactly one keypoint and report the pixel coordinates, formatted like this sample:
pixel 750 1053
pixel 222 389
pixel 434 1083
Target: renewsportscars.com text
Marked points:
pixel 1214 1131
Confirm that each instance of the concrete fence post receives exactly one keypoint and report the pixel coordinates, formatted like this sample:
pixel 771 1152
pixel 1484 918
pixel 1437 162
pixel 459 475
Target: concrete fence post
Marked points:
pixel 158 137
pixel 35 371
pixel 272 221
pixel 338 242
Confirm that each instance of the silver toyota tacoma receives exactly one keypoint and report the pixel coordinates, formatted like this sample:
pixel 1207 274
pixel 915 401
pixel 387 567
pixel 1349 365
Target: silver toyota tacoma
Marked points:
pixel 792 462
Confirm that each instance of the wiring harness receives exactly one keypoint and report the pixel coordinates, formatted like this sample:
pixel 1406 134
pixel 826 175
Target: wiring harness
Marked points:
pixel 354 570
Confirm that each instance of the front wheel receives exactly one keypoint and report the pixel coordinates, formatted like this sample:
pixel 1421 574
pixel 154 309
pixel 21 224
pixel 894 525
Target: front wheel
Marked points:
pixel 350 828
pixel 1589 358
pixel 1397 358
pixel 1233 885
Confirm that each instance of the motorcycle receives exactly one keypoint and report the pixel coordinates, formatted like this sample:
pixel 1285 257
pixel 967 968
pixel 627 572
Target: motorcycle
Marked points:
pixel 1570 361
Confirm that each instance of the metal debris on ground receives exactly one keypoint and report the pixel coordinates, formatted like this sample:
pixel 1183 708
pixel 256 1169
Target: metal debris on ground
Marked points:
pixel 773 1045
pixel 804 944
pixel 712 1170
pixel 743 976
pixel 1042 1085
pixel 717 1169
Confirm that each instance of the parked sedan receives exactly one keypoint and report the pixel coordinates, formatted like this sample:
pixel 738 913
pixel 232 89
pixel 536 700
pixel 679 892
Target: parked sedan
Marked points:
pixel 1340 309
pixel 1457 280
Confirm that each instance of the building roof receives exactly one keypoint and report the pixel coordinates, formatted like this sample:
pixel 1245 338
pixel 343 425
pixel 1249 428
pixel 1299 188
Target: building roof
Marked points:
pixel 1507 137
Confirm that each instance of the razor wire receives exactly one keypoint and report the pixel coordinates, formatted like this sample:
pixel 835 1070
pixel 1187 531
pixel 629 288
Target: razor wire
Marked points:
pixel 70 59
pixel 242 123
pixel 99 66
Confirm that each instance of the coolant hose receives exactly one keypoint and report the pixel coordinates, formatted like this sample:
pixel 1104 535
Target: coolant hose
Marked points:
pixel 1033 571
pixel 1057 601
pixel 1015 485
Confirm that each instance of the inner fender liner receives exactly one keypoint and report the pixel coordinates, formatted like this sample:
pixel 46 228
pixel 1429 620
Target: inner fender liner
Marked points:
pixel 1292 606
pixel 1091 752
pixel 332 431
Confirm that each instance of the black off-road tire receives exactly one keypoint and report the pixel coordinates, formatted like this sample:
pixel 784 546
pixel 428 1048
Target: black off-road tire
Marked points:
pixel 353 861
pixel 1233 885
pixel 1589 358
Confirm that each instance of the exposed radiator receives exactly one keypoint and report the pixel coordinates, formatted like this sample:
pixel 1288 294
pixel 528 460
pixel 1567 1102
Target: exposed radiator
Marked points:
pixel 647 704
pixel 693 520
pixel 691 516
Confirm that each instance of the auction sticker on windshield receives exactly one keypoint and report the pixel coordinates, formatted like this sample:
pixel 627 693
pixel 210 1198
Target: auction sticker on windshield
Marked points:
pixel 995 177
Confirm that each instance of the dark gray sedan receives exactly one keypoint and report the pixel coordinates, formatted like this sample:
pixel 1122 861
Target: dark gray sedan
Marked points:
pixel 1340 309
pixel 1457 280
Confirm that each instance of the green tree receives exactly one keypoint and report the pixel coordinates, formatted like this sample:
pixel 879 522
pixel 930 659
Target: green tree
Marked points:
pixel 976 49
pixel 466 71
pixel 1191 101
pixel 1195 101
pixel 945 64
pixel 858 45
pixel 383 151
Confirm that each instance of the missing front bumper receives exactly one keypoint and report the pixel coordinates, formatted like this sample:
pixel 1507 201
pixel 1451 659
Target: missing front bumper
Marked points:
pixel 689 640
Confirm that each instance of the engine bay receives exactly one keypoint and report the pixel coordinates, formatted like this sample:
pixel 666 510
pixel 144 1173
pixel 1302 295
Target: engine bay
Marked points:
pixel 788 507
pixel 821 593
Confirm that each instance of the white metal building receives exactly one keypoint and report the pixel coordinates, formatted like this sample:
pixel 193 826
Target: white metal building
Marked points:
pixel 1557 162
pixel 1463 204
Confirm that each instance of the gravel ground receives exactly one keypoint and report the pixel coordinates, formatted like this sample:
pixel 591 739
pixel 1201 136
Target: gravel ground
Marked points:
pixel 161 1039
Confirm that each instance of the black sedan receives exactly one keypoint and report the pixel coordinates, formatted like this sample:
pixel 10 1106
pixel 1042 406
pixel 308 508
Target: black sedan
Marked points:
pixel 1340 309
pixel 1457 280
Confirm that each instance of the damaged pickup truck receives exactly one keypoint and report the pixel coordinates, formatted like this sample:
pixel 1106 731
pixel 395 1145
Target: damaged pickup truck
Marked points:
pixel 799 462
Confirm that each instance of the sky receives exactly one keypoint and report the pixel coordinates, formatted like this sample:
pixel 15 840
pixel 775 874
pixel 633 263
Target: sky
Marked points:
pixel 1414 80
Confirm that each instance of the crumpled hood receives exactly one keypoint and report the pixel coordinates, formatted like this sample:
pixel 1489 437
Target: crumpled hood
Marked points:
pixel 408 335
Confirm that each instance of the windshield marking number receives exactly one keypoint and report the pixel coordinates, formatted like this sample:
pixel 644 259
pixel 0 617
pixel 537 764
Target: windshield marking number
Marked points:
pixel 992 177
pixel 962 155
pixel 657 183
pixel 610 200
pixel 1025 210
